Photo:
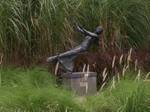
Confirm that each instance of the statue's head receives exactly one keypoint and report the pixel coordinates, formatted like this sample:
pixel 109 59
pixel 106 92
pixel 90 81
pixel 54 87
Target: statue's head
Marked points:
pixel 99 30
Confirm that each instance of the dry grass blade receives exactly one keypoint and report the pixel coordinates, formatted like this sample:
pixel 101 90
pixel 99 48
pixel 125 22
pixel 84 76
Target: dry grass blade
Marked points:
pixel 138 77
pixel 113 62
pixel 102 86
pixel 147 75
pixel 104 74
pixel 113 83
pixel 136 64
pixel 121 59
pixel 1 58
pixel 56 68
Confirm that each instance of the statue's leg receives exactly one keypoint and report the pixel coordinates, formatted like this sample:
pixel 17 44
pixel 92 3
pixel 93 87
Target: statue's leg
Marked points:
pixel 75 51
pixel 52 59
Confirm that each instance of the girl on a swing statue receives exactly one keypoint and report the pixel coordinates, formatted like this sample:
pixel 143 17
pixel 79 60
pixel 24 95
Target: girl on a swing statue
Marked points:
pixel 66 59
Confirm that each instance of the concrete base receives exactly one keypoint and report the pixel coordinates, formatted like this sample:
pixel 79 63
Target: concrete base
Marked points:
pixel 82 83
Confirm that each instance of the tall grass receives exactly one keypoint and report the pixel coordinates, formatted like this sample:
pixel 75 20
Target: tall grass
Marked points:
pixel 127 96
pixel 34 90
pixel 33 29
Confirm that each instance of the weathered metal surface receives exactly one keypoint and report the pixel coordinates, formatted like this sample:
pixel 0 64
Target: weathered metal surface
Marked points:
pixel 66 59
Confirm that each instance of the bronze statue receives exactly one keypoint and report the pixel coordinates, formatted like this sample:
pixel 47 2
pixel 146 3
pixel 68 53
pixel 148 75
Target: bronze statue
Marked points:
pixel 66 59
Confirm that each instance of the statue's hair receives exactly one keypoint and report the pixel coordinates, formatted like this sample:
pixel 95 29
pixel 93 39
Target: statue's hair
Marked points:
pixel 99 30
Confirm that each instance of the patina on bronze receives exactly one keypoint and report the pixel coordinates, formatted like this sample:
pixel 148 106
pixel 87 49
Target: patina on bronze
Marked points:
pixel 66 59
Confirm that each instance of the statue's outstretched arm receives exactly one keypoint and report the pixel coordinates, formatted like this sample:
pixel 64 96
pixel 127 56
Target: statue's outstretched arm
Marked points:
pixel 87 33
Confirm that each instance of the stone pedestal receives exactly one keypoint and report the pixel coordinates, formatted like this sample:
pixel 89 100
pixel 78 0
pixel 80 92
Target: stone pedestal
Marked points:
pixel 82 83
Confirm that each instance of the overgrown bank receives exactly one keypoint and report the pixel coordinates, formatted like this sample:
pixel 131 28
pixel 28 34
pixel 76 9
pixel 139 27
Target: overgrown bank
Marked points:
pixel 34 90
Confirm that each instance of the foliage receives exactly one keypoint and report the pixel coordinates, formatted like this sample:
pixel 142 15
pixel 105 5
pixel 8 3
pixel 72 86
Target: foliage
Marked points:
pixel 127 96
pixel 32 29
pixel 34 90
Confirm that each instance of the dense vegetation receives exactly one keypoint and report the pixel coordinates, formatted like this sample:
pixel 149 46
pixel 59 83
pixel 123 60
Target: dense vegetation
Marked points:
pixel 24 90
pixel 33 29
pixel 32 91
